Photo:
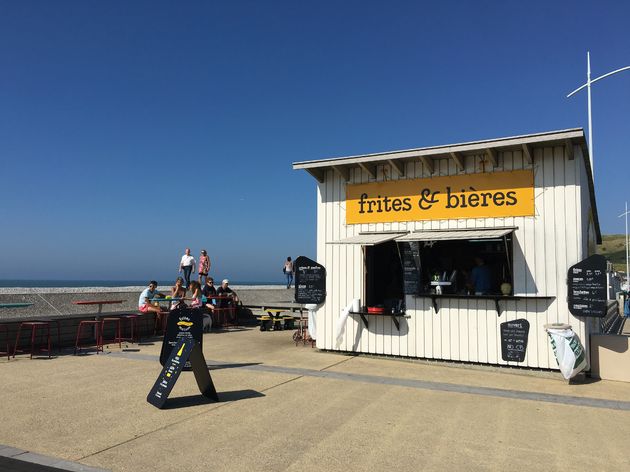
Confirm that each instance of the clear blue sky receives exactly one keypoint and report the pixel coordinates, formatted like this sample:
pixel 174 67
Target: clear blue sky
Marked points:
pixel 132 129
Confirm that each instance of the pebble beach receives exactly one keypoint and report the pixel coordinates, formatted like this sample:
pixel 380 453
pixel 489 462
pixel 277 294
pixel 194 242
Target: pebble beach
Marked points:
pixel 57 301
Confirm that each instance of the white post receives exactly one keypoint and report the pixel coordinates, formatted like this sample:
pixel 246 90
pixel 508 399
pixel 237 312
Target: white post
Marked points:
pixel 627 249
pixel 625 213
pixel 590 120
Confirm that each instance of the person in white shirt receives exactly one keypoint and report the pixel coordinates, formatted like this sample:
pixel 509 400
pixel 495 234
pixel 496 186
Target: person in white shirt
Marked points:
pixel 187 265
pixel 144 302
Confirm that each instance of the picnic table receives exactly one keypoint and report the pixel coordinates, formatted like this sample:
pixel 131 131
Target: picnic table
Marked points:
pixel 14 305
pixel 160 300
pixel 100 303
pixel 275 320
pixel 224 312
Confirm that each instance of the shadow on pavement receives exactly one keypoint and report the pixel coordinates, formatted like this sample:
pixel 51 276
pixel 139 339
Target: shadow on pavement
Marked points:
pixel 231 366
pixel 196 400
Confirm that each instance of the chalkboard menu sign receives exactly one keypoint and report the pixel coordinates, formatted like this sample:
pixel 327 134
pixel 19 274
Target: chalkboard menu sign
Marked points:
pixel 514 340
pixel 587 287
pixel 185 323
pixel 186 350
pixel 310 281
pixel 410 254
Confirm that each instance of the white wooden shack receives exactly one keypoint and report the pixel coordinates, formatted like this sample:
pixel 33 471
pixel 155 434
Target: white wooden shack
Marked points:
pixel 525 205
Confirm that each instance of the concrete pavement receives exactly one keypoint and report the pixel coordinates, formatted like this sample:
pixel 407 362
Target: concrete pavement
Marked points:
pixel 295 408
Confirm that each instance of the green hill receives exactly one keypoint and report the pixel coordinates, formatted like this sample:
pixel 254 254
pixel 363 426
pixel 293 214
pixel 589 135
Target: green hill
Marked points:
pixel 614 248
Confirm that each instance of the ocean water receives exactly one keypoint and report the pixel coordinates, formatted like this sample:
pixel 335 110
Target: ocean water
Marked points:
pixel 106 283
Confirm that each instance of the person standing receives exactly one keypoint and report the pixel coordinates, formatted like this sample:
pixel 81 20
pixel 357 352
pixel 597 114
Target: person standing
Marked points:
pixel 481 277
pixel 204 266
pixel 288 271
pixel 187 265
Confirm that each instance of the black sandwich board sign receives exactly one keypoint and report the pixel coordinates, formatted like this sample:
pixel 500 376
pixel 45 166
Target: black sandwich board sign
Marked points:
pixel 514 340
pixel 186 350
pixel 310 281
pixel 182 350
pixel 185 323
pixel 588 287
pixel 410 255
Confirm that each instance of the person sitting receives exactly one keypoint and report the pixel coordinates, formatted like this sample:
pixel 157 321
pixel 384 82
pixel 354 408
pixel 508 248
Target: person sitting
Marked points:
pixel 178 291
pixel 209 291
pixel 226 291
pixel 144 302
pixel 195 293
pixel 227 300
pixel 481 277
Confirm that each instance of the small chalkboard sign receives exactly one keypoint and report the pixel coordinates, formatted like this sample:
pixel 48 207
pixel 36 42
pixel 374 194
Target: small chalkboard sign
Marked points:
pixel 186 350
pixel 186 323
pixel 588 287
pixel 514 340
pixel 310 281
pixel 410 255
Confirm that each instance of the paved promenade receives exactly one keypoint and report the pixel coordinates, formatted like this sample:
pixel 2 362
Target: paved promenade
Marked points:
pixel 295 408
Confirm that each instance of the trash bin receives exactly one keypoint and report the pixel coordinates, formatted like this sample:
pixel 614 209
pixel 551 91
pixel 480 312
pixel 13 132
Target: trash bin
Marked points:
pixel 567 348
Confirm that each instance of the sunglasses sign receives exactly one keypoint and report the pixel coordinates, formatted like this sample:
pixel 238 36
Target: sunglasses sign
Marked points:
pixel 487 195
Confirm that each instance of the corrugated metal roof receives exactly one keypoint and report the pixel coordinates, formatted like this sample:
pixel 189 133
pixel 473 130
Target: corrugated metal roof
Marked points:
pixel 467 147
pixel 477 233
pixel 369 239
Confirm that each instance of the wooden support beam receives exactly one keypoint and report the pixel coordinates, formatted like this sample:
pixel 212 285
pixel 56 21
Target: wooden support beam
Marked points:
pixel 568 146
pixel 370 169
pixel 319 174
pixel 459 160
pixel 428 163
pixel 343 172
pixel 528 153
pixel 492 155
pixel 398 166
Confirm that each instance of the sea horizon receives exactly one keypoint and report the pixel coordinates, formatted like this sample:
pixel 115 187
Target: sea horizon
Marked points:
pixel 57 283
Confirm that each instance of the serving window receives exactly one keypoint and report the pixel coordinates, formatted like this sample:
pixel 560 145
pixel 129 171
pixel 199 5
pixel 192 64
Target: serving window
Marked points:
pixel 464 266
pixel 459 262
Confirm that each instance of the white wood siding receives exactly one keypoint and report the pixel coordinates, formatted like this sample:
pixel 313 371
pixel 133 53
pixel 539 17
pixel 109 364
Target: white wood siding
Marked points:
pixel 545 245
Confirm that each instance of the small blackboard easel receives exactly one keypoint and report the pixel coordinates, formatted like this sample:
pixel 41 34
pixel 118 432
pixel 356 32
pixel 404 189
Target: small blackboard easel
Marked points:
pixel 183 330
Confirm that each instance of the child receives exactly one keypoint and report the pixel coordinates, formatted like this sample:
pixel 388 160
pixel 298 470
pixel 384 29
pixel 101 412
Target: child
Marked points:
pixel 195 293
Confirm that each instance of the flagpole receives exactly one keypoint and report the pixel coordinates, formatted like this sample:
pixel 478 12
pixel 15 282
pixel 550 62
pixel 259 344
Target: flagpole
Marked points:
pixel 588 87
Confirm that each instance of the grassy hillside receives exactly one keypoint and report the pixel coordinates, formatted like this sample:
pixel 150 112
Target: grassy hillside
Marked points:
pixel 614 248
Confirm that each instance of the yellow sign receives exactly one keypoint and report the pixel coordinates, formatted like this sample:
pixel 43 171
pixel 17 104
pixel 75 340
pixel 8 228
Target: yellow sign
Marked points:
pixel 487 195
